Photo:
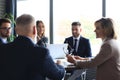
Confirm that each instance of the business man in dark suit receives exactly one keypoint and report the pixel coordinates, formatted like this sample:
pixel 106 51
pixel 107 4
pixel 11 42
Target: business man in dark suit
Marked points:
pixel 5 30
pixel 78 45
pixel 22 59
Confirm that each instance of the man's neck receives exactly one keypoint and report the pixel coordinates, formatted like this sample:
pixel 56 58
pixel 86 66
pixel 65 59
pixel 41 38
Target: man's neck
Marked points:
pixel 33 40
pixel 76 37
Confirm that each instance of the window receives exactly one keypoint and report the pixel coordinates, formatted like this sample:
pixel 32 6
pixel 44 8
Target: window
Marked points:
pixel 112 8
pixel 38 8
pixel 64 13
pixel 85 11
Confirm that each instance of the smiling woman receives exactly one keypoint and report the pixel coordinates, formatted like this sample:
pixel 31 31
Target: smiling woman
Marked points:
pixel 99 31
pixel 105 29
pixel 108 59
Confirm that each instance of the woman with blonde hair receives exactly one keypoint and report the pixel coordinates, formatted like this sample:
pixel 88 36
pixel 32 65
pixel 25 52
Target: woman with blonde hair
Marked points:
pixel 107 60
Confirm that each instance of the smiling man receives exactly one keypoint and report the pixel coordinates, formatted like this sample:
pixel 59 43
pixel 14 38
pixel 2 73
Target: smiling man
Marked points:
pixel 78 45
pixel 5 30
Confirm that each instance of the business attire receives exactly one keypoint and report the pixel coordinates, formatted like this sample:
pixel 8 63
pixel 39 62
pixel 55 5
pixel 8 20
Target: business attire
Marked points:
pixel 83 47
pixel 107 61
pixel 23 60
pixel 3 41
pixel 43 41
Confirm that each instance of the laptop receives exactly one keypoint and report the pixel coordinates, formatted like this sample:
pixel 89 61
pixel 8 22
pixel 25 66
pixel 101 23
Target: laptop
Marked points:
pixel 57 51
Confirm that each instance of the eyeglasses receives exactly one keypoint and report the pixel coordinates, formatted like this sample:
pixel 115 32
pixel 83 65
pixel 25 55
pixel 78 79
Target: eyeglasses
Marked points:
pixel 5 28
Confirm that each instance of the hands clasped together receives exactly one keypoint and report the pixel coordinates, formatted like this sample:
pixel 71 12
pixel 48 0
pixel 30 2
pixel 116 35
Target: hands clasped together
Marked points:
pixel 73 58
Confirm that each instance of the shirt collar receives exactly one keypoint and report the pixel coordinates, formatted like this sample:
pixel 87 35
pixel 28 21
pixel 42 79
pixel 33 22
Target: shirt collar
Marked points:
pixel 4 40
pixel 104 39
pixel 34 41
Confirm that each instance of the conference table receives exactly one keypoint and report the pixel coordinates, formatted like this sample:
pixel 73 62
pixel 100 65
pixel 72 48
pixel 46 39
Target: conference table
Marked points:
pixel 69 67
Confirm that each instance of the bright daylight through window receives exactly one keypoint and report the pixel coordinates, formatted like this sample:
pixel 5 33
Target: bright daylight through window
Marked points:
pixel 67 11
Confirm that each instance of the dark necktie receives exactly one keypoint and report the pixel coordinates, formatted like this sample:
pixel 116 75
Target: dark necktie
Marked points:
pixel 75 46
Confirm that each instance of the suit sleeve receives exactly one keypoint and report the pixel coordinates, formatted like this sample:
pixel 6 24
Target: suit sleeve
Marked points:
pixel 1 42
pixel 65 41
pixel 88 49
pixel 103 55
pixel 51 70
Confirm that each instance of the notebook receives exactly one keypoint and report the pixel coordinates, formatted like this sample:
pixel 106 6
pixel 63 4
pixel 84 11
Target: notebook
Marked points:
pixel 57 51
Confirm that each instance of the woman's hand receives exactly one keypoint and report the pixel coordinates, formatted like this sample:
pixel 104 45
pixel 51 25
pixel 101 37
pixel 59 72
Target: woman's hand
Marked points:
pixel 80 58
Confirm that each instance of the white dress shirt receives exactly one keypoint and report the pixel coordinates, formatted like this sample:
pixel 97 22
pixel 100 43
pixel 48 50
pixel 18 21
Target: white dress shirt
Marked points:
pixel 4 40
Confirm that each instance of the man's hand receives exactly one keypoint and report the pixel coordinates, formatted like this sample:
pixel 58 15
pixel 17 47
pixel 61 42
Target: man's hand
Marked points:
pixel 71 59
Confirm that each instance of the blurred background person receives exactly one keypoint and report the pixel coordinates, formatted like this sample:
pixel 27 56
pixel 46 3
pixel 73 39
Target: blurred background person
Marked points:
pixel 41 38
pixel 107 60
pixel 5 30
pixel 78 45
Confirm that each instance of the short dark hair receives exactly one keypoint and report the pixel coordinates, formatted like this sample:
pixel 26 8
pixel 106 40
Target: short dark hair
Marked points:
pixel 4 20
pixel 76 23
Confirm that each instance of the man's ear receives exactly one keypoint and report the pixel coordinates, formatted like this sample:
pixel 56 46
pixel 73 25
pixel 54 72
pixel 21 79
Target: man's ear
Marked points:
pixel 34 30
pixel 80 29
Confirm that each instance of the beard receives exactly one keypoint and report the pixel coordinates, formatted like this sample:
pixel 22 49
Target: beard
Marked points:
pixel 76 35
pixel 5 35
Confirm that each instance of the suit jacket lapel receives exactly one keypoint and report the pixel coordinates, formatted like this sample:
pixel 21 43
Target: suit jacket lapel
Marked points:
pixel 72 42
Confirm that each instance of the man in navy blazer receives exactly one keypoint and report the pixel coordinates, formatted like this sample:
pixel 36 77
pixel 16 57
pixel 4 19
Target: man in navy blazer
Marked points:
pixel 78 45
pixel 83 48
pixel 22 59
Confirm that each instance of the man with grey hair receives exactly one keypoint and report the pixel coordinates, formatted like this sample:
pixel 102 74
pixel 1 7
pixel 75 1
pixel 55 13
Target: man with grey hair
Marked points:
pixel 22 59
